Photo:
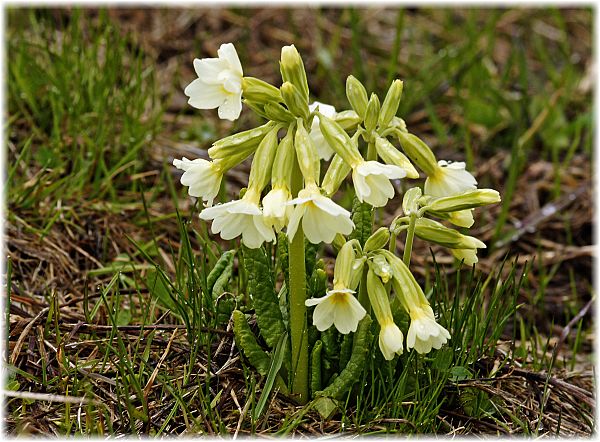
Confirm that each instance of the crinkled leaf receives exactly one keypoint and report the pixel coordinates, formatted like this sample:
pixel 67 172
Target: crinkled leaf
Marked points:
pixel 261 287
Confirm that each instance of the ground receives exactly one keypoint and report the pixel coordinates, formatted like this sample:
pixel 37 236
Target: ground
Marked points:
pixel 96 114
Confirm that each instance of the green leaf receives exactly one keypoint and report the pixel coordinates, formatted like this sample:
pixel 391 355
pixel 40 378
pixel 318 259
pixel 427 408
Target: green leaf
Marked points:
pixel 362 216
pixel 220 274
pixel 331 353
pixel 246 341
pixel 351 373
pixel 325 406
pixel 159 289
pixel 345 350
pixel 459 374
pixel 283 255
pixel 123 316
pixel 274 367
pixel 261 287
pixel 315 368
pixel 217 282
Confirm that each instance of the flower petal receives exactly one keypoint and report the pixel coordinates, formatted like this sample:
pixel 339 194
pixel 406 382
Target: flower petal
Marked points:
pixel 294 222
pixel 231 108
pixel 323 315
pixel 209 69
pixel 228 53
pixel 205 96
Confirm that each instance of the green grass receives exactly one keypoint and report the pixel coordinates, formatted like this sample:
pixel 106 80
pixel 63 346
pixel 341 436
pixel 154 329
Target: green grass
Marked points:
pixel 83 108
pixel 81 121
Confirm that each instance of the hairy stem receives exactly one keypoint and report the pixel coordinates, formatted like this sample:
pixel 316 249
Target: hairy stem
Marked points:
pixel 410 234
pixel 363 296
pixel 298 326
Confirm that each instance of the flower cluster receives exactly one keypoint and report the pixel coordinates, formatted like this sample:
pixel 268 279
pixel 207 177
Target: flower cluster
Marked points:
pixel 341 309
pixel 313 132
pixel 286 189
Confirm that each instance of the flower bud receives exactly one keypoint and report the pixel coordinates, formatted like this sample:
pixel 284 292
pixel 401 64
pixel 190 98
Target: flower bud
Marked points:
pixel 372 113
pixel 390 155
pixel 306 153
pixel 418 152
pixel 391 103
pixel 337 171
pixel 405 285
pixel 276 112
pixel 357 271
pixel 258 91
pixel 258 109
pixel 283 163
pixel 342 273
pixel 339 141
pixel 348 119
pixel 399 124
pixel 357 95
pixel 380 303
pixel 437 233
pixel 239 145
pixel 294 100
pixel 381 267
pixel 467 200
pixel 467 256
pixel 377 240
pixel 292 70
pixel 410 202
pixel 260 171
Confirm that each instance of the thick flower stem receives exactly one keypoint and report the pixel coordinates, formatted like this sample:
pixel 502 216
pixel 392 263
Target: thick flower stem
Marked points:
pixel 410 234
pixel 363 295
pixel 298 325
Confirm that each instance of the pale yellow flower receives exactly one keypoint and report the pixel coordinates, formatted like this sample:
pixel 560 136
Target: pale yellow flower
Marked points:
pixel 321 218
pixel 340 308
pixel 219 83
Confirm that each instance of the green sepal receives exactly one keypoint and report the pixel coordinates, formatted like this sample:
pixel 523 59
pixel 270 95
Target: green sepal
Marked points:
pixel 261 288
pixel 240 145
pixel 276 112
pixel 258 109
pixel 357 95
pixel 351 373
pixel 259 91
pixel 348 119
pixel 246 342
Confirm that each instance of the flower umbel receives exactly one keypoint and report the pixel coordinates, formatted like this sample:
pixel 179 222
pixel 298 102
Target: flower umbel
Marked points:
pixel 321 218
pixel 240 217
pixel 219 83
pixel 202 177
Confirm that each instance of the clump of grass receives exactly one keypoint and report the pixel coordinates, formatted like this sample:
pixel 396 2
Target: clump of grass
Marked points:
pixel 83 106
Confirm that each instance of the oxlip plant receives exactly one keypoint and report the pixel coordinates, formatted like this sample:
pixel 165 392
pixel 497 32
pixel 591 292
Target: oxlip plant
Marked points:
pixel 319 353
